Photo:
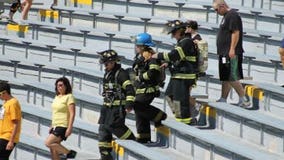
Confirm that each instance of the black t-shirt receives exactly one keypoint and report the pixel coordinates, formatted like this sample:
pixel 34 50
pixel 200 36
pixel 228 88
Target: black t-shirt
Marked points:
pixel 230 22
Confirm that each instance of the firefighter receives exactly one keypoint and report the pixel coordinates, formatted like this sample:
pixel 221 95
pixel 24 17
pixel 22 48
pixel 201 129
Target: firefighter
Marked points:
pixel 182 64
pixel 118 93
pixel 148 75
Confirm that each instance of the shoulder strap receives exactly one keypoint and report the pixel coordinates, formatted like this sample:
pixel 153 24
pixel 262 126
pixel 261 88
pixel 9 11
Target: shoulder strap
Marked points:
pixel 116 76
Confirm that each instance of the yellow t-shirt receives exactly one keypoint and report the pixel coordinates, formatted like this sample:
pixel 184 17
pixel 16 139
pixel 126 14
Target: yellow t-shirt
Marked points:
pixel 60 112
pixel 11 110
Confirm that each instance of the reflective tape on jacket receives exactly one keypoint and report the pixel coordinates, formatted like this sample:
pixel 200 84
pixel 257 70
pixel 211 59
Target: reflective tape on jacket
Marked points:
pixel 115 103
pixel 180 52
pixel 145 76
pixel 166 56
pixel 130 98
pixel 147 90
pixel 191 58
pixel 154 66
pixel 184 76
pixel 126 83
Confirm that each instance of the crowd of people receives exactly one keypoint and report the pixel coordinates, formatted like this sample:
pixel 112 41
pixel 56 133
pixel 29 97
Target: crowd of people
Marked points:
pixel 123 93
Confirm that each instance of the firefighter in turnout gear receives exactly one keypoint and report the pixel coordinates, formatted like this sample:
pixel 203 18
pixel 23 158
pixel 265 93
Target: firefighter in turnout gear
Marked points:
pixel 147 71
pixel 118 93
pixel 182 64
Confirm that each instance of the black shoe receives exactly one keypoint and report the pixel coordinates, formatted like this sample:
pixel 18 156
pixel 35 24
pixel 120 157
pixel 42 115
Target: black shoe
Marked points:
pixel 71 154
pixel 106 156
pixel 143 141
pixel 158 124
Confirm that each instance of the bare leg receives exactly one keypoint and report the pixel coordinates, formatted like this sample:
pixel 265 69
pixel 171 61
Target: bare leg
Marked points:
pixel 54 155
pixel 238 88
pixel 53 143
pixel 226 87
pixel 28 4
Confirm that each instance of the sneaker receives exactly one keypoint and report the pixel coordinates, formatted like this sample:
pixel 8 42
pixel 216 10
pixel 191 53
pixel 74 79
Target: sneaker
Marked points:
pixel 196 110
pixel 244 104
pixel 10 21
pixel 222 100
pixel 23 23
pixel 52 6
pixel 72 154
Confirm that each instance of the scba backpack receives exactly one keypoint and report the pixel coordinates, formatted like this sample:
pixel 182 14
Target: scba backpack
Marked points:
pixel 202 49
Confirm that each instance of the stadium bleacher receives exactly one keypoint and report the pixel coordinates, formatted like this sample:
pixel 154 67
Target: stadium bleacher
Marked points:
pixel 64 42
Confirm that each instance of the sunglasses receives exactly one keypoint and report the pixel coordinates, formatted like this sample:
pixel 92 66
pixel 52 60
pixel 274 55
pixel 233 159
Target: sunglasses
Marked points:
pixel 1 93
pixel 60 85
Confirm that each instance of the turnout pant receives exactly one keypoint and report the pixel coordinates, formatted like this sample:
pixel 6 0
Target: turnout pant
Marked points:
pixel 144 113
pixel 112 121
pixel 177 95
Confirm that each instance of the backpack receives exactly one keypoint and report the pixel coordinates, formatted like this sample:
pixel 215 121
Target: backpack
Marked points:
pixel 202 56
pixel 162 77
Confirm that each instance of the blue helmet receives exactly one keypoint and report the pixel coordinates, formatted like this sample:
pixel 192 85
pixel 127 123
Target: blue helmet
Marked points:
pixel 144 39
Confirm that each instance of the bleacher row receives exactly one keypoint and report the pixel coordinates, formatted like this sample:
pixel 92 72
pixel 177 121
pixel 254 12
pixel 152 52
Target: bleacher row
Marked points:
pixel 46 51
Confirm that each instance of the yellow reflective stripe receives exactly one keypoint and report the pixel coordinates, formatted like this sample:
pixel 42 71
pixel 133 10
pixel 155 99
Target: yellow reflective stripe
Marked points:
pixel 126 134
pixel 166 56
pixel 158 116
pixel 180 52
pixel 125 83
pixel 145 76
pixel 191 58
pixel 184 76
pixel 105 144
pixel 143 135
pixel 184 120
pixel 130 98
pixel 114 103
pixel 148 90
pixel 154 66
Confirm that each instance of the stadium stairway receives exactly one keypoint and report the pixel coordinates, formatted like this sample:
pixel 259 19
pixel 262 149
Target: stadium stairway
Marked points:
pixel 220 143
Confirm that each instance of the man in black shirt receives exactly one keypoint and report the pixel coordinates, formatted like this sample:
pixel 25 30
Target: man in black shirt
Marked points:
pixel 230 51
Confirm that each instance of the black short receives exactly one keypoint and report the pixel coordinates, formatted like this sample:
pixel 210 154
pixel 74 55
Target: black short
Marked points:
pixel 230 69
pixel 4 154
pixel 59 132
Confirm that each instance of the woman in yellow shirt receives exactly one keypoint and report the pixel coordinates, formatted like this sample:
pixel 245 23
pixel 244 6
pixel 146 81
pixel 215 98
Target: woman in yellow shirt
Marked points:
pixel 10 121
pixel 63 115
